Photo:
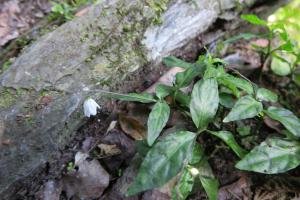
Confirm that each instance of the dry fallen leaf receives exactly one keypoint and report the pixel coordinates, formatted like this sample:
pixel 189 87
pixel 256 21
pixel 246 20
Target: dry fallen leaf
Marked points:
pixel 167 79
pixel 108 149
pixel 132 127
pixel 237 190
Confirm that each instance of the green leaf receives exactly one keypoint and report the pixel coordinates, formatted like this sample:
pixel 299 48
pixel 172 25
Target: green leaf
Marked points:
pixel 246 107
pixel 244 130
pixel 204 103
pixel 208 180
pixel 164 161
pixel 184 186
pixel 142 147
pixel 285 117
pixel 157 120
pixel 232 81
pixel 226 100
pixel 246 36
pixel 263 94
pixel 228 138
pixel 163 90
pixel 185 78
pixel 197 155
pixel 143 98
pixel 212 72
pixel 253 19
pixel 172 61
pixel 272 156
pixel 183 99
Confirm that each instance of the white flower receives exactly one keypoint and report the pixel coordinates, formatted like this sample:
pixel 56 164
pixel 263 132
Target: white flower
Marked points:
pixel 194 171
pixel 90 107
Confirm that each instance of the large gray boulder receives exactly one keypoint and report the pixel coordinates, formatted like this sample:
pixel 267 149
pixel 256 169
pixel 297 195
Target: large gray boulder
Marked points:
pixel 42 92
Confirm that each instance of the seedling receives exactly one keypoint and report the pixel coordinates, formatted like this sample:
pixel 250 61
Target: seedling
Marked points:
pixel 179 154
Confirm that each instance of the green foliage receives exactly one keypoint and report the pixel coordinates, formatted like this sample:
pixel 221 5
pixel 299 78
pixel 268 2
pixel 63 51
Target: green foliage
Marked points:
pixel 287 118
pixel 246 107
pixel 178 155
pixel 158 118
pixel 204 104
pixel 64 11
pixel 272 156
pixel 163 161
pixel 285 54
pixel 263 94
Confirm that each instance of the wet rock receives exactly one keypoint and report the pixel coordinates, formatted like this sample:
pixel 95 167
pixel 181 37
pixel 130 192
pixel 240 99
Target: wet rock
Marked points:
pixel 50 191
pixel 88 179
pixel 41 93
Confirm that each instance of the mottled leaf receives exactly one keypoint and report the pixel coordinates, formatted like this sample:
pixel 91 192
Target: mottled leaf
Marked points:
pixel 244 130
pixel 185 78
pixel 183 99
pixel 272 156
pixel 208 180
pixel 228 138
pixel 286 118
pixel 163 90
pixel 226 100
pixel 184 186
pixel 204 103
pixel 157 120
pixel 231 81
pixel 263 94
pixel 164 161
pixel 246 107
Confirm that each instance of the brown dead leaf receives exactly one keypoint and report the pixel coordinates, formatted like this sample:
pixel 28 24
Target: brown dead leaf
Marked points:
pixel 237 190
pixel 167 79
pixel 132 127
pixel 108 150
pixel 82 12
pixel 273 124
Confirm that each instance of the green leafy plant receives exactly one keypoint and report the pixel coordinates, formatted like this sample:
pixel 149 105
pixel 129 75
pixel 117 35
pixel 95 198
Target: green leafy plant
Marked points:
pixel 285 55
pixel 216 93
pixel 64 11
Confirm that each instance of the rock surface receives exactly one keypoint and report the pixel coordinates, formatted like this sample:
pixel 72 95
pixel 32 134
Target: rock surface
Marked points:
pixel 42 92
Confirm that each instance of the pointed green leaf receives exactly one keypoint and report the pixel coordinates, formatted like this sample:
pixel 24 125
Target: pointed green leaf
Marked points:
pixel 226 100
pixel 285 117
pixel 253 19
pixel 246 107
pixel 197 155
pixel 228 138
pixel 163 90
pixel 263 94
pixel 157 120
pixel 143 98
pixel 184 186
pixel 185 78
pixel 213 72
pixel 183 98
pixel 204 103
pixel 172 61
pixel 208 180
pixel 244 130
pixel 232 81
pixel 272 156
pixel 164 161
pixel 246 36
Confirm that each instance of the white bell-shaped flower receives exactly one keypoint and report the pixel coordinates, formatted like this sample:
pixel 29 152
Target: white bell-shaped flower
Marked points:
pixel 90 107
